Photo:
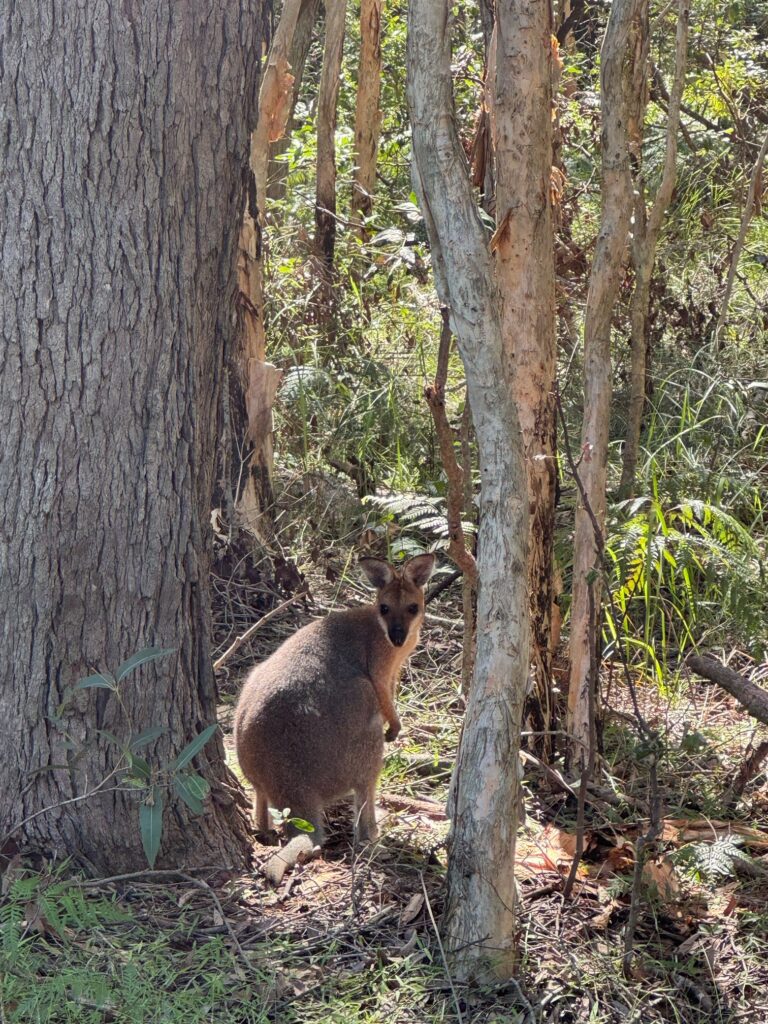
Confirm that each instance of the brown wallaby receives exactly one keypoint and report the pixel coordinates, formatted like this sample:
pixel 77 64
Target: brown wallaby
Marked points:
pixel 309 722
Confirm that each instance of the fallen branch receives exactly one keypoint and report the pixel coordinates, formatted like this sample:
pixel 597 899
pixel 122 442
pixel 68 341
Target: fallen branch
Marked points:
pixel 429 808
pixel 238 643
pixel 297 851
pixel 752 697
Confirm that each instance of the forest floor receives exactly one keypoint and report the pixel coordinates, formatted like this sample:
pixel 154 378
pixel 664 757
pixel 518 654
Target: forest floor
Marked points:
pixel 352 935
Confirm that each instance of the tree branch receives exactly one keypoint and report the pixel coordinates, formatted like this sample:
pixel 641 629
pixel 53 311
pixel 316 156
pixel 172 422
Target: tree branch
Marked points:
pixel 458 549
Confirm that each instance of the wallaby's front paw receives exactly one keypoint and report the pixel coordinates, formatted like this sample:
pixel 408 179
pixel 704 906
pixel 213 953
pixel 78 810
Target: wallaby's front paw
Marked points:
pixel 393 731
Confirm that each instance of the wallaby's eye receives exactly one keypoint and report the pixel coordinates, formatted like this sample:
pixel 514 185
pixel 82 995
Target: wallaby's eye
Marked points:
pixel 384 609
pixel 413 609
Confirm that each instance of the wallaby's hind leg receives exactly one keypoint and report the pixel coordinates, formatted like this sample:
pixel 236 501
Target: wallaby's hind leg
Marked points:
pixel 263 817
pixel 366 829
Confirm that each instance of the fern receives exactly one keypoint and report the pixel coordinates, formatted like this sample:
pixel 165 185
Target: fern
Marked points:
pixel 417 512
pixel 713 861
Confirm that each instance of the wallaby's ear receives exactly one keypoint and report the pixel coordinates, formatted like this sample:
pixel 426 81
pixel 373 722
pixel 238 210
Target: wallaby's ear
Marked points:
pixel 418 570
pixel 379 572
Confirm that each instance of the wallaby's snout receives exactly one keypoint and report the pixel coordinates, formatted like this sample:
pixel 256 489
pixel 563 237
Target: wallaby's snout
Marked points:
pixel 397 634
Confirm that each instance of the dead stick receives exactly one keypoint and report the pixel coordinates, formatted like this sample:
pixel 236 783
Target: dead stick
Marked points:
pixel 458 549
pixel 238 643
pixel 752 697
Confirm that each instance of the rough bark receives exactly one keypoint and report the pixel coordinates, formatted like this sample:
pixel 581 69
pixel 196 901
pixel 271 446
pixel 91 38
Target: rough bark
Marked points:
pixel 325 200
pixel 124 163
pixel 616 79
pixel 479 920
pixel 746 217
pixel 523 245
pixel 645 242
pixel 367 112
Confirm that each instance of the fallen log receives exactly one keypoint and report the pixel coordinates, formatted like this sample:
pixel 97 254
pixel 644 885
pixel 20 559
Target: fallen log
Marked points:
pixel 752 697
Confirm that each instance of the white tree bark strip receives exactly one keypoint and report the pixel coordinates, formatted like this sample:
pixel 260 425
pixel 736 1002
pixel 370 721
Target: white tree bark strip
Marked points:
pixel 480 912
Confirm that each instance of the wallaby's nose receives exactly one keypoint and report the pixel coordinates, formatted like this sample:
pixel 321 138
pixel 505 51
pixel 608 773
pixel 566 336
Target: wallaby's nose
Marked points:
pixel 397 635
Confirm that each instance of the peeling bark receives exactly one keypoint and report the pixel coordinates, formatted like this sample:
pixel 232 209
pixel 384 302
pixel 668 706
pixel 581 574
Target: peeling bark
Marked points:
pixel 618 60
pixel 258 379
pixel 124 162
pixel 521 69
pixel 297 57
pixel 367 112
pixel 479 919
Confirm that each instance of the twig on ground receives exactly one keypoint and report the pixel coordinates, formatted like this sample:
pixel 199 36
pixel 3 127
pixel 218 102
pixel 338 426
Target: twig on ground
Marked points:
pixel 238 643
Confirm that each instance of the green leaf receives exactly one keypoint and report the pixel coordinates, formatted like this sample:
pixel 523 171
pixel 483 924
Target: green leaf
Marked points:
pixel 139 767
pixel 145 737
pixel 302 825
pixel 198 785
pixel 190 798
pixel 151 824
pixel 140 658
pixel 193 748
pixel 135 781
pixel 101 681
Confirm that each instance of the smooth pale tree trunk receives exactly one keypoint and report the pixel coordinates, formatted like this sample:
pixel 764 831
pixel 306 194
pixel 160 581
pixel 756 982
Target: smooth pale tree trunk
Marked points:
pixel 523 244
pixel 479 920
pixel 617 65
pixel 647 228
pixel 328 97
pixel 367 112
pixel 297 58
pixel 258 379
pixel 124 154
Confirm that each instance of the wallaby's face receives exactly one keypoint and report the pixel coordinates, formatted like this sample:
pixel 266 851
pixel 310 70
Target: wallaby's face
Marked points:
pixel 400 594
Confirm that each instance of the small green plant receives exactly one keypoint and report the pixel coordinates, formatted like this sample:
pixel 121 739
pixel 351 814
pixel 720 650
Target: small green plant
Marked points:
pixel 151 782
pixel 712 862
pixel 284 818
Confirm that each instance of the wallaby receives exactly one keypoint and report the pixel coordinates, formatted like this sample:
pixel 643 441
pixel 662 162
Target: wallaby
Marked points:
pixel 309 722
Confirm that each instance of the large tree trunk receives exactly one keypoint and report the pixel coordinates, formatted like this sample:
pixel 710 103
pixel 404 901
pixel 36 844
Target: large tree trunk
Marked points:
pixel 367 113
pixel 479 921
pixel 647 231
pixel 325 201
pixel 124 164
pixel 618 57
pixel 521 117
